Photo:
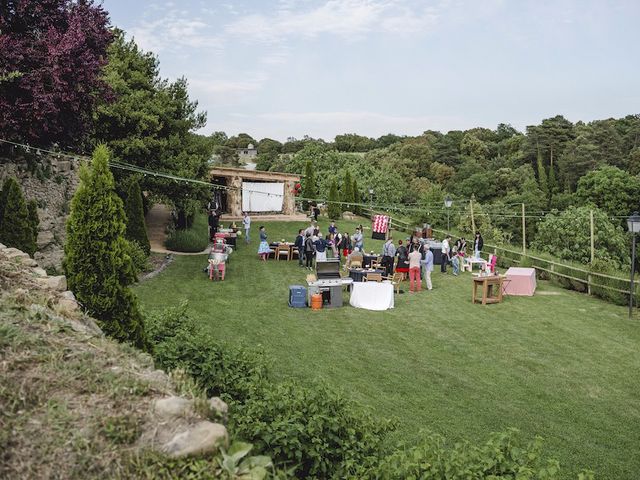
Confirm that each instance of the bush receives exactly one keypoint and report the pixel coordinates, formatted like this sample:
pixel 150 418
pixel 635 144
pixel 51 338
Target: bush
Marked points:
pixel 16 224
pixel 136 228
pixel 314 430
pixel 228 371
pixel 139 258
pixel 193 239
pixel 503 456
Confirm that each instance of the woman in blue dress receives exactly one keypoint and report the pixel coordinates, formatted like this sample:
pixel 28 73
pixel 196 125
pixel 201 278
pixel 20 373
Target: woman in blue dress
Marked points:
pixel 263 249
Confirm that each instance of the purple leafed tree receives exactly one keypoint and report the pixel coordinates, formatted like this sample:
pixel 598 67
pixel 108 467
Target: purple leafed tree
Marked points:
pixel 51 56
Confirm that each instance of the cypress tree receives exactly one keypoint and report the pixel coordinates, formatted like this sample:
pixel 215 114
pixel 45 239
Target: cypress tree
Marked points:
pixel 136 228
pixel 16 228
pixel 334 207
pixel 357 197
pixel 34 222
pixel 96 262
pixel 347 193
pixel 542 176
pixel 309 188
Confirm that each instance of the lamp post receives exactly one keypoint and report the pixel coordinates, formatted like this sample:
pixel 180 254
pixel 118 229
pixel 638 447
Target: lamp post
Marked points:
pixel 633 223
pixel 447 203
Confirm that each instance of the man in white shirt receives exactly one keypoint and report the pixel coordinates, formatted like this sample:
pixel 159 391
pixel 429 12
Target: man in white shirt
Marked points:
pixel 246 224
pixel 446 248
pixel 388 256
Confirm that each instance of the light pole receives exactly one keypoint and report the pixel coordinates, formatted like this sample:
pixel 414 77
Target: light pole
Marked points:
pixel 447 203
pixel 633 223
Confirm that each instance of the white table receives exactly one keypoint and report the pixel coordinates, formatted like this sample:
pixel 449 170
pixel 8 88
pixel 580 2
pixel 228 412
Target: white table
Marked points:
pixel 469 262
pixel 372 295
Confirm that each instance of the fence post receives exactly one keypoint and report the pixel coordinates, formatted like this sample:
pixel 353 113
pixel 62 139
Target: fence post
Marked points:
pixel 593 250
pixel 473 221
pixel 524 233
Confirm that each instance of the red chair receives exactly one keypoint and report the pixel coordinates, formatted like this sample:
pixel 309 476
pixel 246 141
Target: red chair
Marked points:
pixel 491 265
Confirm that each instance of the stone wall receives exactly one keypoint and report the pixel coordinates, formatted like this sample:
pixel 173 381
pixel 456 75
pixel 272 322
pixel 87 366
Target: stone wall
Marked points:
pixel 51 182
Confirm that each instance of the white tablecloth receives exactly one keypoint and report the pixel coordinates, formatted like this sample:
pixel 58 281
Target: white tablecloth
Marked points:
pixel 372 295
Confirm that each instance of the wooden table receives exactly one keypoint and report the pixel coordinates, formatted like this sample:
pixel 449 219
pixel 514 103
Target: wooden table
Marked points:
pixel 491 289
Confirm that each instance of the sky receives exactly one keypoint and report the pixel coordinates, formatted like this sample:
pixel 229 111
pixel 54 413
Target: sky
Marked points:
pixel 292 68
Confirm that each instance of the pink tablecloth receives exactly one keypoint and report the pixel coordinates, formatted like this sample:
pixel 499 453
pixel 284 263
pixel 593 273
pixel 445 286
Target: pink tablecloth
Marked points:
pixel 520 281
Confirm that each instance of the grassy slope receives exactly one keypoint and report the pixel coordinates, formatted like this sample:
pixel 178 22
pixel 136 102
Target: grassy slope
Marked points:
pixel 561 365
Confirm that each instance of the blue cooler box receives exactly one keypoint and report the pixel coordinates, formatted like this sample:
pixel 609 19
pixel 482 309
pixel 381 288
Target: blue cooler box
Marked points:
pixel 297 296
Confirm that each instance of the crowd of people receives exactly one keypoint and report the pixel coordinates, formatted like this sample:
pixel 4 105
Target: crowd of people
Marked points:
pixel 412 258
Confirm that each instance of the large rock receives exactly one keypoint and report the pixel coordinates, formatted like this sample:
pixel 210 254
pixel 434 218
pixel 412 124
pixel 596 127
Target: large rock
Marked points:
pixel 39 272
pixel 203 437
pixel 15 254
pixel 348 216
pixel 45 237
pixel 219 406
pixel 173 407
pixel 58 283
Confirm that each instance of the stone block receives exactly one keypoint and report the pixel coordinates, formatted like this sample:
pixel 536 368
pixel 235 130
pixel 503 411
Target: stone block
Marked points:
pixel 173 407
pixel 203 437
pixel 58 283
pixel 45 237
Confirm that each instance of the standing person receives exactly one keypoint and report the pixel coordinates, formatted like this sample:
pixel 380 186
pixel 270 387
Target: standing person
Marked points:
pixel 478 243
pixel 321 248
pixel 246 224
pixel 214 223
pixel 428 265
pixel 403 259
pixel 263 249
pixel 332 228
pixel 316 212
pixel 310 229
pixel 446 249
pixel 309 250
pixel 414 271
pixel 346 244
pixel 388 254
pixel 299 243
pixel 358 240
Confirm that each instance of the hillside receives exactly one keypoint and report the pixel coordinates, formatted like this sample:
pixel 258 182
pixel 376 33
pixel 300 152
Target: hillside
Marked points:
pixel 74 404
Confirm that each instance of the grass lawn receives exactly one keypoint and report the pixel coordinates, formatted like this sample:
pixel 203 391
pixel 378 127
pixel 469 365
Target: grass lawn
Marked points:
pixel 560 364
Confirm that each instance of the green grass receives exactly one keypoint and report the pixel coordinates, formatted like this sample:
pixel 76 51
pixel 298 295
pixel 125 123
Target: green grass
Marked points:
pixel 560 364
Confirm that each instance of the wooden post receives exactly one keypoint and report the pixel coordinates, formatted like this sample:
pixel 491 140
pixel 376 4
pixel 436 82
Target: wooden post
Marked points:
pixel 524 233
pixel 473 221
pixel 593 250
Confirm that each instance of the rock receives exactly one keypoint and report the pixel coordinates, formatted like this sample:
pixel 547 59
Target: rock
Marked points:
pixel 67 301
pixel 39 272
pixel 45 238
pixel 15 254
pixel 58 283
pixel 173 407
pixel 348 216
pixel 219 406
pixel 203 437
pixel 2 246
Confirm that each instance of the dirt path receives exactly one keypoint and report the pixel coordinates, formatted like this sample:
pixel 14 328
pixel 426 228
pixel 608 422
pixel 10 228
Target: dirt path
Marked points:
pixel 157 220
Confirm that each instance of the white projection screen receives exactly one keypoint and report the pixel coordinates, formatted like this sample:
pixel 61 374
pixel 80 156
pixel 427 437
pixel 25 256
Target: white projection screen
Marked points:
pixel 262 197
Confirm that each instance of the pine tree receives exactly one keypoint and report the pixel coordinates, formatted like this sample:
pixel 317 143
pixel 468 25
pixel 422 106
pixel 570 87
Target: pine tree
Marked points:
pixel 334 206
pixel 542 176
pixel 96 262
pixel 309 188
pixel 347 193
pixel 15 230
pixel 136 228
pixel 34 222
pixel 357 197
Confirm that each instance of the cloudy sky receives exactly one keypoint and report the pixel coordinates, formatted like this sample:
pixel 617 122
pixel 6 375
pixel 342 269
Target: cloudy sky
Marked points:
pixel 323 67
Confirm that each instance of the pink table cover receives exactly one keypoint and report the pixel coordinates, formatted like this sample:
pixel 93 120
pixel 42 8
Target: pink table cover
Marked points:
pixel 520 281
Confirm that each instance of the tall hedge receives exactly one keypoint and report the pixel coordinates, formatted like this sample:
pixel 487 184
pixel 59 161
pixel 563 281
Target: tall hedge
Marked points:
pixel 136 228
pixel 357 197
pixel 15 227
pixel 96 263
pixel 335 208
pixel 309 187
pixel 347 193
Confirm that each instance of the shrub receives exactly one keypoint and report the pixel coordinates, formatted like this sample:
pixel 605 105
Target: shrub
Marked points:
pixel 334 209
pixel 503 456
pixel 315 429
pixel 16 226
pixel 139 258
pixel 224 370
pixel 193 239
pixel 97 264
pixel 136 228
